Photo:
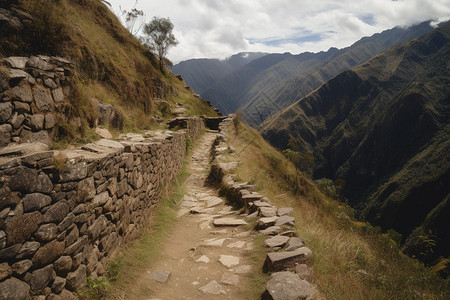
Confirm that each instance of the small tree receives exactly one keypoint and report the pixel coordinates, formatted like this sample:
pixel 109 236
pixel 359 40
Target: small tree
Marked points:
pixel 158 37
pixel 133 18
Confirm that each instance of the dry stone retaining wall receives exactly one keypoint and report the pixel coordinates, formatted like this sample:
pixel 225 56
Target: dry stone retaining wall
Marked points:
pixel 32 93
pixel 62 216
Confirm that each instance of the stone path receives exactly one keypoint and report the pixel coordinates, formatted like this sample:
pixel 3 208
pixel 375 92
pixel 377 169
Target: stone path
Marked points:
pixel 206 256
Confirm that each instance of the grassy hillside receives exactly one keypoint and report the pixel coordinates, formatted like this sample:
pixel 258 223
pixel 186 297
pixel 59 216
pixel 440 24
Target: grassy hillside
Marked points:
pixel 111 64
pixel 352 260
pixel 383 128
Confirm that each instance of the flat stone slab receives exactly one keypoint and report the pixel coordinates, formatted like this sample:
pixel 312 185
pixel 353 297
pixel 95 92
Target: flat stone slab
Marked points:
pixel 213 288
pixel 285 220
pixel 222 231
pixel 278 261
pixel 243 269
pixel 23 149
pixel 238 245
pixel 228 222
pixel 272 230
pixel 229 260
pixel 214 242
pixel 188 204
pixel 276 241
pixel 203 259
pixel 258 204
pixel 286 286
pixel 214 202
pixel 263 223
pixel 230 278
pixel 252 197
pixel 284 211
pixel 160 276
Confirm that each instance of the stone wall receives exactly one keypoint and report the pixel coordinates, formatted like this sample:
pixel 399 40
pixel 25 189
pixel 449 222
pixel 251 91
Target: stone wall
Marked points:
pixel 32 92
pixel 63 215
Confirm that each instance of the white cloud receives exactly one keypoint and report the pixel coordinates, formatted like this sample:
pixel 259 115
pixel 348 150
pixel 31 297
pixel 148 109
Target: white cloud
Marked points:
pixel 218 28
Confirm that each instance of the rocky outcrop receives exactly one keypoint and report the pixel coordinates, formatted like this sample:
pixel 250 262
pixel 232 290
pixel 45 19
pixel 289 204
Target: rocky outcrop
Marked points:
pixel 64 214
pixel 32 92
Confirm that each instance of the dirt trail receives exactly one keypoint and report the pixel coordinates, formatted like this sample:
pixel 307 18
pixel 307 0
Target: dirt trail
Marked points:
pixel 205 261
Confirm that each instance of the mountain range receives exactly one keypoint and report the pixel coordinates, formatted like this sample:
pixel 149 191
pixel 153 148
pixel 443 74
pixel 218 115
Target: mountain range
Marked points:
pixel 267 84
pixel 384 128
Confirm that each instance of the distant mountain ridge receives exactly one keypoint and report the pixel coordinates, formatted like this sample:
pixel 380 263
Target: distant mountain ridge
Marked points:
pixel 384 127
pixel 201 73
pixel 272 82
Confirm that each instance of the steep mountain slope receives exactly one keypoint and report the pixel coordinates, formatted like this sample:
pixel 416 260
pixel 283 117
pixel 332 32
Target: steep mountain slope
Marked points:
pixel 383 127
pixel 200 74
pixel 257 78
pixel 111 64
pixel 306 81
pixel 273 82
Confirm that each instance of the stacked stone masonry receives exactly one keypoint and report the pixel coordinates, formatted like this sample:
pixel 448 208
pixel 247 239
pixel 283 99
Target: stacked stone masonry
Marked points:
pixel 33 93
pixel 288 259
pixel 64 214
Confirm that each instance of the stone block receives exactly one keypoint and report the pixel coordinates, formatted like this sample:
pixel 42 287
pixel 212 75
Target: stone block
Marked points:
pixel 58 95
pixel 85 190
pixel 43 99
pixel 28 249
pixel 46 232
pixel 44 184
pixel 14 289
pixel 74 172
pixel 17 62
pixel 58 285
pixel 287 285
pixel 20 267
pixel 48 253
pixel 35 201
pixel 76 247
pixel 5 134
pixel 77 279
pixel 5 271
pixel 278 261
pixel 41 278
pixel 21 108
pixel 24 180
pixel 20 228
pixel 50 121
pixel 63 265
pixel 57 212
pixel 22 92
pixel 10 252
pixel 6 111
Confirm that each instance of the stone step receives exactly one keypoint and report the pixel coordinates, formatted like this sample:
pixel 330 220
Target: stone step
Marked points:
pixel 278 261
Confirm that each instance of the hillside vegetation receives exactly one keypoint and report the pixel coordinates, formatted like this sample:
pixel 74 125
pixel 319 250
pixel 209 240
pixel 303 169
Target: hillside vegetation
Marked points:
pixel 111 64
pixel 352 260
pixel 383 128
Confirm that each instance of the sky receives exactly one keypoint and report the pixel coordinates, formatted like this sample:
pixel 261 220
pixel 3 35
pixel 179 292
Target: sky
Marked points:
pixel 221 28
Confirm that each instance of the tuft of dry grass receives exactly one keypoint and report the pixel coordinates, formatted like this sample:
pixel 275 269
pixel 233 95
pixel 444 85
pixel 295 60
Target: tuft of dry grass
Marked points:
pixel 352 260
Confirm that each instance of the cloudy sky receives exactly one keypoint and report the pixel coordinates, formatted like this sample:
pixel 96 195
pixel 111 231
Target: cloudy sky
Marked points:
pixel 220 28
